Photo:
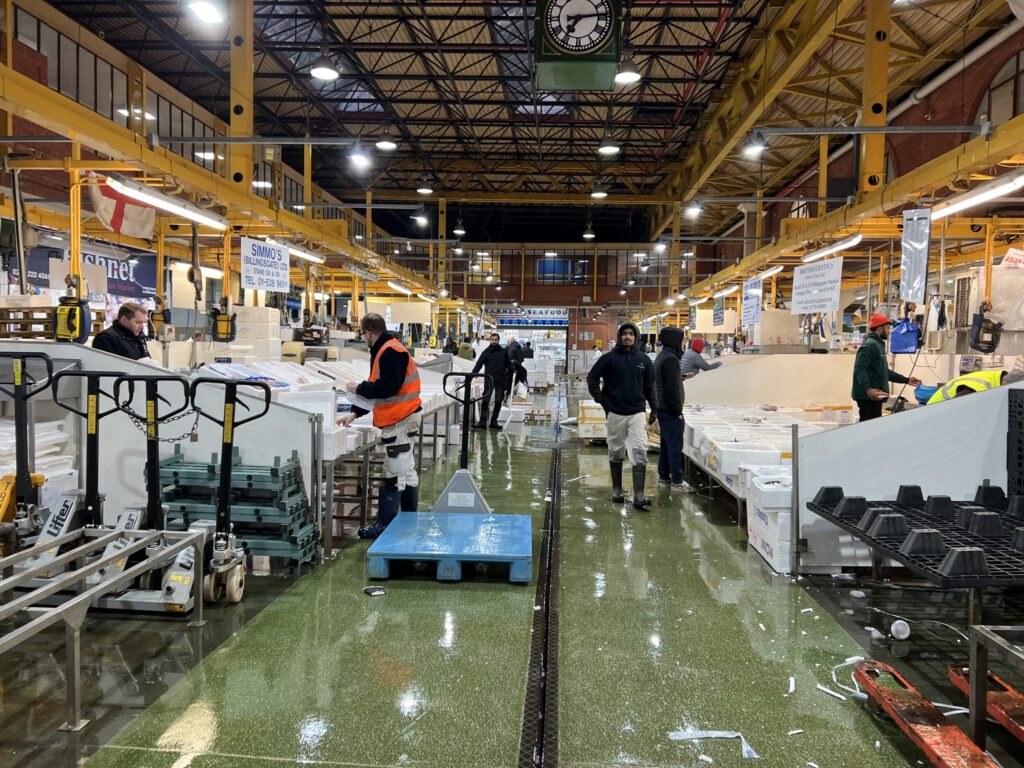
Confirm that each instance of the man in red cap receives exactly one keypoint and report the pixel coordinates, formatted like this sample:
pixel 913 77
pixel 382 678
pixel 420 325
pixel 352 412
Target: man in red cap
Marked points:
pixel 871 374
pixel 693 361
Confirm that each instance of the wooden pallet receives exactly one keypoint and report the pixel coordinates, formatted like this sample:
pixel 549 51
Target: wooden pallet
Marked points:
pixel 589 441
pixel 452 539
pixel 36 322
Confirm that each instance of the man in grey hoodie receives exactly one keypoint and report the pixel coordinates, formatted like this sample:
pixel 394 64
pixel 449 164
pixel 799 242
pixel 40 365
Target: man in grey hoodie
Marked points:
pixel 627 375
pixel 693 361
pixel 668 385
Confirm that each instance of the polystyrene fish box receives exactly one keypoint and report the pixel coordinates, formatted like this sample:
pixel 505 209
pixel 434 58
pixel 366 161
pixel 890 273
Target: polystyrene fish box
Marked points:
pixel 256 330
pixel 517 413
pixel 772 492
pixel 774 551
pixel 593 430
pixel 748 472
pixel 268 315
pixel 591 411
pixel 727 457
pixel 771 524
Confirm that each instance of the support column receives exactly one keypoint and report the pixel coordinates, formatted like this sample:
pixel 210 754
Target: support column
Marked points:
pixel 876 92
pixel 369 221
pixel 161 263
pixel 136 98
pixel 822 175
pixel 241 63
pixel 75 194
pixel 442 249
pixel 7 59
pixel 307 179
pixel 675 258
pixel 990 245
pixel 750 216
pixel 225 265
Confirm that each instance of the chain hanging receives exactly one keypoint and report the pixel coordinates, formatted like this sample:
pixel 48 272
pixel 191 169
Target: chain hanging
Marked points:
pixel 140 424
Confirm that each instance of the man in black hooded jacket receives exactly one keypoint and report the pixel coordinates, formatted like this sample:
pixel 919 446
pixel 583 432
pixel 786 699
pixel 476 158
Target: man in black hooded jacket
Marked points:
pixel 496 363
pixel 668 386
pixel 628 378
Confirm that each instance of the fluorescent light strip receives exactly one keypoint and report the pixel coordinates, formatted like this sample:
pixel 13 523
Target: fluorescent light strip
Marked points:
pixel 770 272
pixel 698 302
pixel 828 250
pixel 428 299
pixel 726 291
pixel 298 252
pixel 987 192
pixel 399 287
pixel 150 196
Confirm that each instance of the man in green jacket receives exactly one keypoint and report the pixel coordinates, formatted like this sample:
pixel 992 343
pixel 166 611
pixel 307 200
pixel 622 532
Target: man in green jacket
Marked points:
pixel 871 374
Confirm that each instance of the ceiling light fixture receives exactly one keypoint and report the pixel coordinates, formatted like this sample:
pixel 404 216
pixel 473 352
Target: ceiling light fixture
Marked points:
pixel 459 230
pixel 670 302
pixel 693 209
pixel 659 247
pixel 385 143
pixel 420 216
pixel 298 252
pixel 588 233
pixel 628 73
pixel 754 148
pixel 551 254
pixel 726 291
pixel 261 184
pixel 428 299
pixel 399 287
pixel 207 11
pixel 443 292
pixel 323 67
pixel 359 157
pixel 836 247
pixel 599 192
pixel 698 302
pixel 990 190
pixel 150 196
pixel 770 272
pixel 425 188
pixel 609 147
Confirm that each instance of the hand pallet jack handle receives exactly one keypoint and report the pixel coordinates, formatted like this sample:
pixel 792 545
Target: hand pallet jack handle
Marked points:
pixel 228 423
pixel 24 388
pixel 467 401
pixel 93 512
pixel 152 419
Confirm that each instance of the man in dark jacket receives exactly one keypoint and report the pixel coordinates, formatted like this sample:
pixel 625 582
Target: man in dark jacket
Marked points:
pixel 871 374
pixel 628 378
pixel 516 357
pixel 668 386
pixel 528 352
pixel 496 363
pixel 124 337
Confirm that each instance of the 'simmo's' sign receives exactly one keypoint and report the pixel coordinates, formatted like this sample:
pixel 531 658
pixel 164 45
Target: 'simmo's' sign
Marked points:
pixel 264 266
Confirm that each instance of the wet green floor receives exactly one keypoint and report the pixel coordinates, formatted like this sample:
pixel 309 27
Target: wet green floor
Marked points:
pixel 667 623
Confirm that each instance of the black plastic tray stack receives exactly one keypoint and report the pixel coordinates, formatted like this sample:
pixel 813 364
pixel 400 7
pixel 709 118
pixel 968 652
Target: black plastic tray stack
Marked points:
pixel 953 544
pixel 270 511
pixel 1015 444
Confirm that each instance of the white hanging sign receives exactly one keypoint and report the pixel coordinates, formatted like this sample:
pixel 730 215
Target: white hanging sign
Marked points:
pixel 752 291
pixel 264 266
pixel 816 287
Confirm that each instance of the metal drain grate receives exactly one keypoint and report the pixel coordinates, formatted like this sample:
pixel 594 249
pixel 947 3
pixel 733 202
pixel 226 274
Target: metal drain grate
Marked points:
pixel 565 445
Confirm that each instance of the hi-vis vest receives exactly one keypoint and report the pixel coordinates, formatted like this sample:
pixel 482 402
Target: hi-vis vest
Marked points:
pixel 978 381
pixel 405 402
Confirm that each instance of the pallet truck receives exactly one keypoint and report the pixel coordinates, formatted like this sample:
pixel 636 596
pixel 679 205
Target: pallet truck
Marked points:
pixel 462 494
pixel 226 575
pixel 19 493
pixel 944 744
pixel 1004 703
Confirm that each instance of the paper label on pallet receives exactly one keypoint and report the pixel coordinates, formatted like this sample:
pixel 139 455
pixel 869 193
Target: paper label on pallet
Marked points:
pixel 461 499
pixel 264 266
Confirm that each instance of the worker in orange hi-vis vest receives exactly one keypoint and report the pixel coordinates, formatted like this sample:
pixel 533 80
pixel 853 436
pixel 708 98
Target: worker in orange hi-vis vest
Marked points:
pixel 394 388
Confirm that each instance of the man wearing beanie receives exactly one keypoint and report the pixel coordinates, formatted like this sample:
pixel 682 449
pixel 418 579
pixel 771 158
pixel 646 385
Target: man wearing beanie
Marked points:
pixel 871 374
pixel 693 361
pixel 668 387
pixel 627 376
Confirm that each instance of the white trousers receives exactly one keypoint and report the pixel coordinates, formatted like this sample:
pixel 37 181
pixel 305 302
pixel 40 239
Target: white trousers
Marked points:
pixel 399 462
pixel 627 435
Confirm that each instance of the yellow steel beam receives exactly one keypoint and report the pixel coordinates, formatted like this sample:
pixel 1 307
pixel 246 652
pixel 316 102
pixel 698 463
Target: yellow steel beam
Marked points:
pixel 874 107
pixel 35 102
pixel 75 216
pixel 7 59
pixel 241 62
pixel 450 195
pixel 757 85
pixel 977 154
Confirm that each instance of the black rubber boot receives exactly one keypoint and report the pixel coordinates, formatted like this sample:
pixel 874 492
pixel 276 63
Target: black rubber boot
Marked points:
pixel 410 499
pixel 639 478
pixel 388 501
pixel 617 495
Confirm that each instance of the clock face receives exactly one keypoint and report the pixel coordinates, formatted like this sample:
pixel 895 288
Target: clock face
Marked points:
pixel 579 25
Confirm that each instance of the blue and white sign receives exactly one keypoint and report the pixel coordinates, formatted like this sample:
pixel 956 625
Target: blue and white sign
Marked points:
pixel 264 266
pixel 718 312
pixel 133 276
pixel 752 291
pixel 557 317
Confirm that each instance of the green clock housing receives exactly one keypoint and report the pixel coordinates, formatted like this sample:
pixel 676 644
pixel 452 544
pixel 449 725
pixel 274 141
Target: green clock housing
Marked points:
pixel 577 45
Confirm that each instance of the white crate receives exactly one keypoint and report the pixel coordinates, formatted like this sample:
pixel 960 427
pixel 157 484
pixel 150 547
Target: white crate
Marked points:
pixel 258 315
pixel 775 552
pixel 593 430
pixel 771 492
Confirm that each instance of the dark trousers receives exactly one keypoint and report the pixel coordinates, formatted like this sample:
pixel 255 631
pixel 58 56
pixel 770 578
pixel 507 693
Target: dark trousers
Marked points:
pixel 670 452
pixel 870 409
pixel 498 394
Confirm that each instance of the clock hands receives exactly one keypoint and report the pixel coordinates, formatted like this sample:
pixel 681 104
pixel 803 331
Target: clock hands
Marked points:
pixel 575 18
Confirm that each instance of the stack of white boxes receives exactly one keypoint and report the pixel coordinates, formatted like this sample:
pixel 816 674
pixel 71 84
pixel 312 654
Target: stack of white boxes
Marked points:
pixel 541 372
pixel 54 457
pixel 258 337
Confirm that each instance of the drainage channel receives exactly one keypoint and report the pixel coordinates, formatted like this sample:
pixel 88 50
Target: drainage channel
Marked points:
pixel 538 745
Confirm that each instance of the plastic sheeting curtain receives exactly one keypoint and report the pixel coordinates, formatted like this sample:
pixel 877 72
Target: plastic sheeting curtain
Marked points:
pixel 917 233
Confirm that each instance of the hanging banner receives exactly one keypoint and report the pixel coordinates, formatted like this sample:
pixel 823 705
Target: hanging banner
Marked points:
pixel 917 235
pixel 816 287
pixel 752 291
pixel 692 324
pixel 132 276
pixel 264 266
pixel 718 313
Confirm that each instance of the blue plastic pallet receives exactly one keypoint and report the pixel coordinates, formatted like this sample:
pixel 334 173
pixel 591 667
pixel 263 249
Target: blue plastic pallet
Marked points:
pixel 453 538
